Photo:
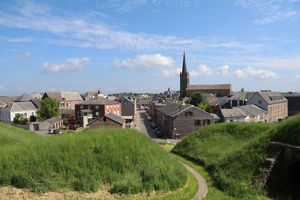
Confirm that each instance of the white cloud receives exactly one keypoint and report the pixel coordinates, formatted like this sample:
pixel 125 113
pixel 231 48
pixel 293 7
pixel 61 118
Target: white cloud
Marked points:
pixel 87 33
pixel 201 70
pixel 223 70
pixel 146 61
pixel 70 64
pixel 171 72
pixel 249 72
pixel 204 70
pixel 270 11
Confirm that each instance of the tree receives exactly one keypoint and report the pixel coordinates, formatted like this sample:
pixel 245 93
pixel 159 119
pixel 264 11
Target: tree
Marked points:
pixel 49 108
pixel 199 100
pixel 20 119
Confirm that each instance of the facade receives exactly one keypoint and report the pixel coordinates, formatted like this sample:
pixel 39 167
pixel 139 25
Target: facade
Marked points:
pixel 273 102
pixel 293 103
pixel 247 113
pixel 26 109
pixel 67 99
pixel 97 108
pixel 177 120
pixel 128 106
pixel 219 90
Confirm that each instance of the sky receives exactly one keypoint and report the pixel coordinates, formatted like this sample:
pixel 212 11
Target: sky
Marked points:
pixel 137 45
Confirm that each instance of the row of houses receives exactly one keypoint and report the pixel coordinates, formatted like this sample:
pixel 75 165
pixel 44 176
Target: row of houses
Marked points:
pixel 73 108
pixel 263 106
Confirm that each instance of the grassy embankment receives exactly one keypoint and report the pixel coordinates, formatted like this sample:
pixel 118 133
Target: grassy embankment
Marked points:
pixel 122 161
pixel 233 154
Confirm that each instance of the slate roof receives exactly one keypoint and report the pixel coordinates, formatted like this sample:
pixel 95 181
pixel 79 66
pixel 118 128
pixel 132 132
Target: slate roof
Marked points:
pixel 209 87
pixel 243 111
pixel 272 97
pixel 69 96
pixel 252 110
pixel 37 103
pixel 36 95
pixel 143 101
pixel 218 101
pixel 172 109
pixel 115 118
pixel 20 106
pixel 233 112
pixel 100 101
pixel 53 95
pixel 23 98
pixel 53 120
pixel 242 95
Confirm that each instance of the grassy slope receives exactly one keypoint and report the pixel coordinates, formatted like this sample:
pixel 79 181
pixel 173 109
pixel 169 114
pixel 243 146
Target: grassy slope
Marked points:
pixel 231 152
pixel 126 161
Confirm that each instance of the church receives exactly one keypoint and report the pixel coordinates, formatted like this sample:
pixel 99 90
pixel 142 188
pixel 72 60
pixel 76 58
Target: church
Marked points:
pixel 186 90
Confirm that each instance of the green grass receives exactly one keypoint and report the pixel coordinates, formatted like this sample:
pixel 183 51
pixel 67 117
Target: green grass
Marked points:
pixel 122 160
pixel 231 153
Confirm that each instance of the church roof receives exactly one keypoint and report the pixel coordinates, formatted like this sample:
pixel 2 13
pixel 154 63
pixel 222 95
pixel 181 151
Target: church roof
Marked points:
pixel 209 87
pixel 184 71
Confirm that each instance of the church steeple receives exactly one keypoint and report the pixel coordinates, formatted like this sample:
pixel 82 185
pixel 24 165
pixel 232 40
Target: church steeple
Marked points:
pixel 184 79
pixel 184 71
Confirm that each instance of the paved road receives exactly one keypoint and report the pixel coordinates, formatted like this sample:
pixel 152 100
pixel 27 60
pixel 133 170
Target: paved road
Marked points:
pixel 143 125
pixel 202 185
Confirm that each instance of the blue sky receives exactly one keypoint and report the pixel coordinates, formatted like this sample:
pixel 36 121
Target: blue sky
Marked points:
pixel 137 45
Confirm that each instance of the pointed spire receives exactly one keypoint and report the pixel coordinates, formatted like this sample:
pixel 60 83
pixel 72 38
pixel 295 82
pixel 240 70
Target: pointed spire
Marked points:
pixel 184 71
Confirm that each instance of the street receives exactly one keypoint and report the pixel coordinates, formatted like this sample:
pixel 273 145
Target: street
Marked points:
pixel 143 125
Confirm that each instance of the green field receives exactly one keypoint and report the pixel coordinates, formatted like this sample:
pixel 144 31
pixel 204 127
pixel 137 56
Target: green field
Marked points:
pixel 121 160
pixel 233 153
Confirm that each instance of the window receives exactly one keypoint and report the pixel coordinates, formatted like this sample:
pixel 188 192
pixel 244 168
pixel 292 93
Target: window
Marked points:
pixel 188 114
pixel 260 101
pixel 206 122
pixel 97 107
pixel 97 113
pixel 197 122
pixel 81 106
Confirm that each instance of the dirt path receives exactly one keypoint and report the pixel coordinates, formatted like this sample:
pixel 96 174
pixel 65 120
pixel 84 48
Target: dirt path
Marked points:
pixel 202 185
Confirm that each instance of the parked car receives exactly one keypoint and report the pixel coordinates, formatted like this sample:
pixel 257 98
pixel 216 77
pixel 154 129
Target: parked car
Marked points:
pixel 54 131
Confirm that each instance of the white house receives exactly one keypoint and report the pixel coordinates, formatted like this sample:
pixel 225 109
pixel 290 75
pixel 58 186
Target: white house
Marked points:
pixel 26 109
pixel 245 113
pixel 274 103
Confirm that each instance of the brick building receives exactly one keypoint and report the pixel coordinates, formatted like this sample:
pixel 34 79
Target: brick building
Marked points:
pixel 97 108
